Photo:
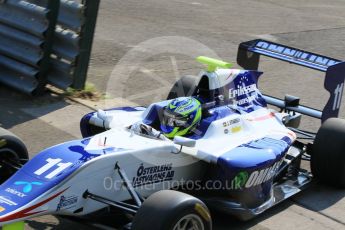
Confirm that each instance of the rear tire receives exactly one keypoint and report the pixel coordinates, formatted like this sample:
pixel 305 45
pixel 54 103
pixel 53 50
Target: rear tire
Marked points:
pixel 328 153
pixel 172 210
pixel 12 153
pixel 186 86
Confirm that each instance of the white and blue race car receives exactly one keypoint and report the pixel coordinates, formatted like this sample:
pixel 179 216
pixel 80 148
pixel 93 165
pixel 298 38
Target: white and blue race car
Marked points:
pixel 242 159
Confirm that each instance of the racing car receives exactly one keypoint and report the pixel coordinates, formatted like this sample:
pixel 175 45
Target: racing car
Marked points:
pixel 244 158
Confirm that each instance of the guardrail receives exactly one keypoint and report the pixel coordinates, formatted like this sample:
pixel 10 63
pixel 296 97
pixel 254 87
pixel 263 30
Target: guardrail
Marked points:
pixel 46 41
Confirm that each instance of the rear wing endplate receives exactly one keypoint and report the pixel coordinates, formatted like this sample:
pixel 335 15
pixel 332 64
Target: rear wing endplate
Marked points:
pixel 248 57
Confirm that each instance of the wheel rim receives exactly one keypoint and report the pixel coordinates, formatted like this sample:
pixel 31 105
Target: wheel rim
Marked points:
pixel 9 163
pixel 189 222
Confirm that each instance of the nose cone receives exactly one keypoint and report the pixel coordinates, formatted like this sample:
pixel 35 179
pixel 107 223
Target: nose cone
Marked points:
pixel 17 192
pixel 22 199
pixel 25 192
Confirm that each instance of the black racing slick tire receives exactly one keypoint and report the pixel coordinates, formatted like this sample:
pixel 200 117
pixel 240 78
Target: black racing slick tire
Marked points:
pixel 328 153
pixel 13 154
pixel 172 210
pixel 186 86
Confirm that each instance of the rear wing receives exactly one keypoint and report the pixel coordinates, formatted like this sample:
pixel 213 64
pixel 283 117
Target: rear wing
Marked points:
pixel 248 57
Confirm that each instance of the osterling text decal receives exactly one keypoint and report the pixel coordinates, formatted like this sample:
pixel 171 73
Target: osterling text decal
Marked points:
pixel 153 174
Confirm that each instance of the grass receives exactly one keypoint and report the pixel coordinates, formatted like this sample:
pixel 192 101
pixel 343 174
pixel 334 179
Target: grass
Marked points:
pixel 88 93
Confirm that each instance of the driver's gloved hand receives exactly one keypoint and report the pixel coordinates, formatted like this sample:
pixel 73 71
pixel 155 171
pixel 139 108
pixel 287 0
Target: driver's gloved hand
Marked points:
pixel 144 129
pixel 148 130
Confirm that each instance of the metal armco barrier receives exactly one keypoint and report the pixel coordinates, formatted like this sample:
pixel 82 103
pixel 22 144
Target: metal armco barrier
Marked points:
pixel 26 36
pixel 58 35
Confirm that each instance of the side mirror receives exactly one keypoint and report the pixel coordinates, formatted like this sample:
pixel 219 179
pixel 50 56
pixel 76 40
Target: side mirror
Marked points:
pixel 291 101
pixel 183 141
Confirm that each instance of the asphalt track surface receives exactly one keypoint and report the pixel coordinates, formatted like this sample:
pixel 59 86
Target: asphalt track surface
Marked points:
pixel 127 36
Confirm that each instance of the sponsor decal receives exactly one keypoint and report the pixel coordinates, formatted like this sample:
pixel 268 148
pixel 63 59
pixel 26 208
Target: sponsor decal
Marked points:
pixel 338 93
pixel 240 180
pixel 295 53
pixel 15 192
pixel 3 142
pixel 189 107
pixel 246 100
pixel 261 176
pixel 26 212
pixel 153 174
pixel 2 209
pixel 67 202
pixel 27 186
pixel 231 122
pixel 242 90
pixel 236 129
pixel 244 180
pixel 4 200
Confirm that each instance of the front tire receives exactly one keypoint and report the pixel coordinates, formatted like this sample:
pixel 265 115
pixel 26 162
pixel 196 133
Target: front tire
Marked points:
pixel 328 153
pixel 172 210
pixel 13 154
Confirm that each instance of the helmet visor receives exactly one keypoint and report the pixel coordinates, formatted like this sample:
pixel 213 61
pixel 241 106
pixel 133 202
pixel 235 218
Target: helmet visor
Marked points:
pixel 174 120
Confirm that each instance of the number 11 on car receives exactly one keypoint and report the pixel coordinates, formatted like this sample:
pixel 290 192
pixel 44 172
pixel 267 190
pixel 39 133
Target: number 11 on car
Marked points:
pixel 52 163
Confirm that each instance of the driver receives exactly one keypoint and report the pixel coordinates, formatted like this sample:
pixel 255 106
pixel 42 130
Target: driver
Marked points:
pixel 180 117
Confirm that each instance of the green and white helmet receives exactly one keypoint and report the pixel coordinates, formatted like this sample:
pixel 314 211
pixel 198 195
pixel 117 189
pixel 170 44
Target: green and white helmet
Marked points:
pixel 180 116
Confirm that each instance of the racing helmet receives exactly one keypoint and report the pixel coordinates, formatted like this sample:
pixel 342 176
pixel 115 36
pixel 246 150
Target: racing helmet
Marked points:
pixel 180 116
